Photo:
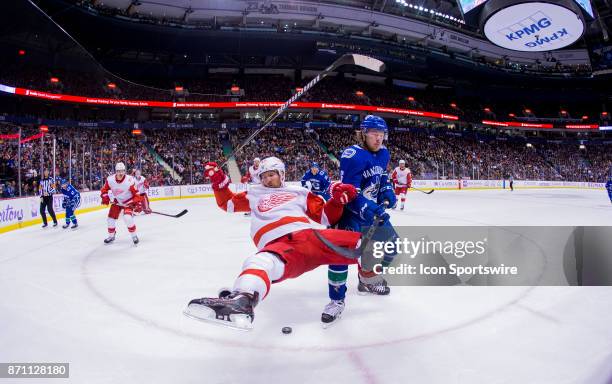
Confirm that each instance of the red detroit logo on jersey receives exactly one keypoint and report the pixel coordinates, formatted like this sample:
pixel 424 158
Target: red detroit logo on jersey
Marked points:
pixel 274 200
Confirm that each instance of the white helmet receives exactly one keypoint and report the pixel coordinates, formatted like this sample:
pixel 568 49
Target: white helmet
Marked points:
pixel 402 162
pixel 257 159
pixel 273 164
pixel 120 167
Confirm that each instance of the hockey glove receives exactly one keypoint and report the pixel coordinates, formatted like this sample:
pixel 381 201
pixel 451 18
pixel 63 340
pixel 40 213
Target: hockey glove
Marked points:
pixel 64 203
pixel 105 199
pixel 136 203
pixel 386 193
pixel 343 193
pixel 216 175
pixel 369 209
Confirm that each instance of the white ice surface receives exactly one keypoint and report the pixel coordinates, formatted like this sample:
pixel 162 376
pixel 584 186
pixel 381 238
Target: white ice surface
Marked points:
pixel 115 311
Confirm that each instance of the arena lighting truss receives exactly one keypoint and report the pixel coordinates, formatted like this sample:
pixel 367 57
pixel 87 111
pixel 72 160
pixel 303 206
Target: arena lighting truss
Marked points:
pixel 420 8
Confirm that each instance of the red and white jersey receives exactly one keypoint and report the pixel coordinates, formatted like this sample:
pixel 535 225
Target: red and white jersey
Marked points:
pixel 276 212
pixel 402 177
pixel 253 175
pixel 141 184
pixel 122 191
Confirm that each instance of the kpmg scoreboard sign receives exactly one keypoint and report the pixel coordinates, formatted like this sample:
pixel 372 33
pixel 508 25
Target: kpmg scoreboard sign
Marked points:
pixel 534 27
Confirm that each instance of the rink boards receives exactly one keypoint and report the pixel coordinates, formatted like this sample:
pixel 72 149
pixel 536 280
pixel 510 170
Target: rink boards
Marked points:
pixel 22 212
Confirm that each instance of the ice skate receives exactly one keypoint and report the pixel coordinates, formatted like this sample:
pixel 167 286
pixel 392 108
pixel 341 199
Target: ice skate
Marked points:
pixel 374 285
pixel 234 311
pixel 332 313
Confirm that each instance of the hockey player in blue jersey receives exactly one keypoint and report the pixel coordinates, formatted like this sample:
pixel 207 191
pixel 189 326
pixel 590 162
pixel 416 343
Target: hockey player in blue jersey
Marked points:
pixel 364 166
pixel 72 200
pixel 609 188
pixel 317 181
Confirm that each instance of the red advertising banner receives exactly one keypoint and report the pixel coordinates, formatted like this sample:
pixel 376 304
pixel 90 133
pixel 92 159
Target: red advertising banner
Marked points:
pixel 220 105
pixel 582 126
pixel 10 137
pixel 33 137
pixel 516 124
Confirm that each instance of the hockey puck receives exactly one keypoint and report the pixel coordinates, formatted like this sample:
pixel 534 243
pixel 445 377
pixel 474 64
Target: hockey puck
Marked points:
pixel 287 330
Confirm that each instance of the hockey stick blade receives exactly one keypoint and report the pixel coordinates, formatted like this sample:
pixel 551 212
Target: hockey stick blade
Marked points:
pixel 345 252
pixel 182 213
pixel 352 253
pixel 425 192
pixel 347 59
pixel 359 60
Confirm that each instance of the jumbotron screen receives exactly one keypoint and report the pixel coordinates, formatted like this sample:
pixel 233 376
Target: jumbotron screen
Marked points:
pixel 468 5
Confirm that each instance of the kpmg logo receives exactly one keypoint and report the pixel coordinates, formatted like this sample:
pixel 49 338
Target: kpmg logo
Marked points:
pixel 534 27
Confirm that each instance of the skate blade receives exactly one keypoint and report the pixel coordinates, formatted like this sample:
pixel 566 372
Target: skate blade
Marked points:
pixel 329 325
pixel 368 293
pixel 201 314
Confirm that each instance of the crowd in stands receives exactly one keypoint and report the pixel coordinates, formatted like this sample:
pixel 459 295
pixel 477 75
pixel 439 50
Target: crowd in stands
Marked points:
pixel 169 157
pixel 340 90
pixel 187 151
pixel 85 156
pixel 297 147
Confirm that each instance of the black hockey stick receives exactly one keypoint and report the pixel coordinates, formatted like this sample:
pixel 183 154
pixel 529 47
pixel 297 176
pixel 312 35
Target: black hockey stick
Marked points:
pixel 347 59
pixel 365 240
pixel 425 192
pixel 183 212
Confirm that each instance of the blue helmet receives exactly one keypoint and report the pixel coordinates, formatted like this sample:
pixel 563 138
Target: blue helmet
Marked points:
pixel 374 122
pixel 314 164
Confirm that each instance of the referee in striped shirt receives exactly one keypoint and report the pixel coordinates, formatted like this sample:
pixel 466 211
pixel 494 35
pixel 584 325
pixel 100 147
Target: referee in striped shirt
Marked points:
pixel 47 189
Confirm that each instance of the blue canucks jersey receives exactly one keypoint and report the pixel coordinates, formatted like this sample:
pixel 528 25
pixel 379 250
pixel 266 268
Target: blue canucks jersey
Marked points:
pixel 71 194
pixel 609 187
pixel 319 183
pixel 366 170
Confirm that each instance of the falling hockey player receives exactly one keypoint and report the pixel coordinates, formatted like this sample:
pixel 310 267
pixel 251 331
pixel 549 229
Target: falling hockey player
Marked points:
pixel 363 166
pixel 125 198
pixel 285 238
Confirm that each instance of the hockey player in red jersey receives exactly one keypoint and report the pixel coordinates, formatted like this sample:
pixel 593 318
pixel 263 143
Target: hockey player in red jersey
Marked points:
pixel 142 186
pixel 125 198
pixel 252 175
pixel 282 231
pixel 402 180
